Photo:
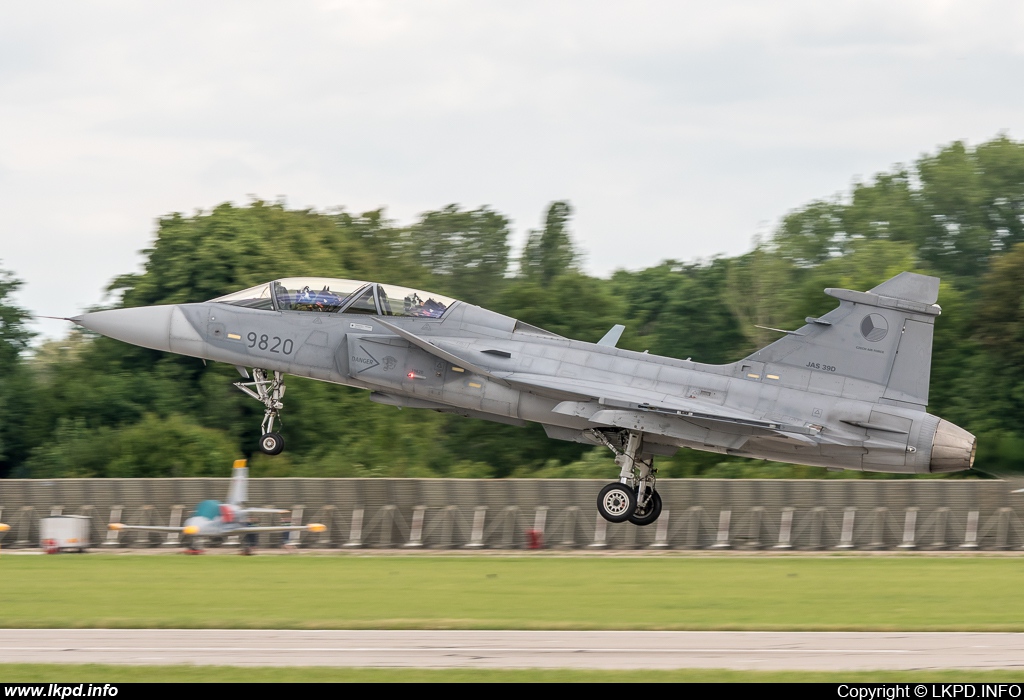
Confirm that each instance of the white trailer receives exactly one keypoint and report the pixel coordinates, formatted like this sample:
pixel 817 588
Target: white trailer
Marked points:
pixel 64 533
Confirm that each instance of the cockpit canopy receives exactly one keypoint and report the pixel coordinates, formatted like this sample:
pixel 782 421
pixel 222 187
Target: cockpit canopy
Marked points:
pixel 207 509
pixel 327 295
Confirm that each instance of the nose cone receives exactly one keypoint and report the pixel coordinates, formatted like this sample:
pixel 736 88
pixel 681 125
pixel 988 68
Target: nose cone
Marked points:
pixel 148 326
pixel 155 327
pixel 952 449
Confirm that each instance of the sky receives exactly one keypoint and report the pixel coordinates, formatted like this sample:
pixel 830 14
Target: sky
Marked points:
pixel 678 130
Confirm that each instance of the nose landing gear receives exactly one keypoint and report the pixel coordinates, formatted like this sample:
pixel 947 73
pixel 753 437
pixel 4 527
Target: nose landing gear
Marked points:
pixel 271 443
pixel 632 497
pixel 269 392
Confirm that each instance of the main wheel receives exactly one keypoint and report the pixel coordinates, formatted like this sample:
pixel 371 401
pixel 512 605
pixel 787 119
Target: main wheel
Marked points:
pixel 616 502
pixel 650 514
pixel 271 443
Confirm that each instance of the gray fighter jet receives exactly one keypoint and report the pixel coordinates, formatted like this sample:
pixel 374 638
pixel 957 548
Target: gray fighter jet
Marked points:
pixel 232 517
pixel 847 390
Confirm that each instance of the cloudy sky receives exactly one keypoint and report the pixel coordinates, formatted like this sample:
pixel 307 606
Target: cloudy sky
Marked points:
pixel 677 129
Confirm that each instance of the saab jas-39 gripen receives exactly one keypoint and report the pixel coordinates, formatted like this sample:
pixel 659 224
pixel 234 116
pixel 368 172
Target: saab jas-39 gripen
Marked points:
pixel 847 390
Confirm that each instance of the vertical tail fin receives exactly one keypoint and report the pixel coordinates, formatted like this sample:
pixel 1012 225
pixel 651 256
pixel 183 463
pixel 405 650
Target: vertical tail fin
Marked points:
pixel 238 493
pixel 882 336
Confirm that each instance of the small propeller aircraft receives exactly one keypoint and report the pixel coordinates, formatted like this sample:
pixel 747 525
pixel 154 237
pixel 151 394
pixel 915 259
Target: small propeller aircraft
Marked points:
pixel 216 519
pixel 847 390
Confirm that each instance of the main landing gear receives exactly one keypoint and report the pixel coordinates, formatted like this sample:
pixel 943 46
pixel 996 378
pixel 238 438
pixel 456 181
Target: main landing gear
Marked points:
pixel 269 392
pixel 632 497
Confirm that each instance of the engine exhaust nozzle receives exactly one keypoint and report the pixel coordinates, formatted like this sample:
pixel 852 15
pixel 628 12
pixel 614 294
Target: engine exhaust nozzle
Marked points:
pixel 953 449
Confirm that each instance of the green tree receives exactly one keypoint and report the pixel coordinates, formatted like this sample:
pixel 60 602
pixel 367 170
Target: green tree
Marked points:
pixel 466 251
pixel 549 252
pixel 1000 313
pixel 680 310
pixel 812 234
pixel 1001 165
pixel 760 290
pixel 958 207
pixel 204 256
pixel 887 207
pixel 16 386
pixel 988 393
pixel 14 333
pixel 571 304
pixel 156 446
pixel 953 195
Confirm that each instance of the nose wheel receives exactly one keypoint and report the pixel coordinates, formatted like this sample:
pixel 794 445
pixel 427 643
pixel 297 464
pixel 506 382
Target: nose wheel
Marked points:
pixel 269 392
pixel 271 443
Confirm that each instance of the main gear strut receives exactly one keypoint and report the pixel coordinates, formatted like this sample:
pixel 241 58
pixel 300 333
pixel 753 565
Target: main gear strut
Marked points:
pixel 633 497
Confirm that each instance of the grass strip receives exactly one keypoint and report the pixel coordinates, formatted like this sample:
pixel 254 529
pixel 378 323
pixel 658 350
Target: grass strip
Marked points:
pixel 699 593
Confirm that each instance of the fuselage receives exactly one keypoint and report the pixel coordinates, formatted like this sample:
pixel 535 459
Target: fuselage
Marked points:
pixel 571 387
pixel 216 519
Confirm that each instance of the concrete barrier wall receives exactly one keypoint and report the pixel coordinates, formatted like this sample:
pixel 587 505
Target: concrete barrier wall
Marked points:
pixel 698 513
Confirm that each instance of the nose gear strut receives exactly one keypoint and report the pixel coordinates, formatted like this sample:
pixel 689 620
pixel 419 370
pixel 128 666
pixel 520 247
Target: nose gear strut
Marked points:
pixel 269 392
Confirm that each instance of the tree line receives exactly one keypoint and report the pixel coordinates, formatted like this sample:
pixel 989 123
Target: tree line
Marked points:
pixel 89 406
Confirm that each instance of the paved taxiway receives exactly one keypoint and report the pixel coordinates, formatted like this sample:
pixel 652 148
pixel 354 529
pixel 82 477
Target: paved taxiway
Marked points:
pixel 819 651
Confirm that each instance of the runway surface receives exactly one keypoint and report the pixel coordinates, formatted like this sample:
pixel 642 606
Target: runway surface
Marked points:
pixel 819 651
